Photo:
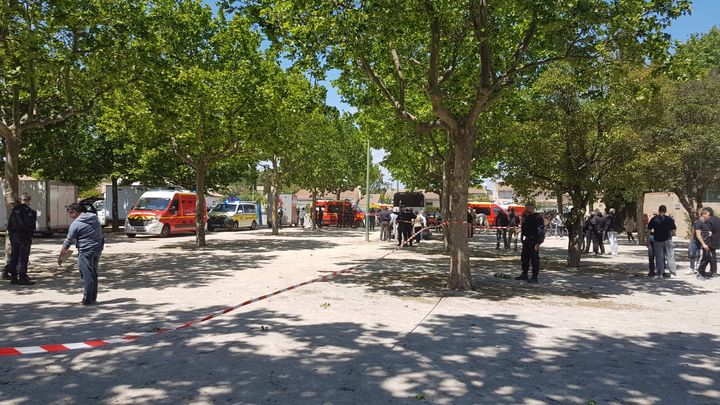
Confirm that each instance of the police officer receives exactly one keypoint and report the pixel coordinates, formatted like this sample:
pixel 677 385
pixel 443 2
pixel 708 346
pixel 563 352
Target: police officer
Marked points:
pixel 532 236
pixel 21 226
pixel 405 220
pixel 502 222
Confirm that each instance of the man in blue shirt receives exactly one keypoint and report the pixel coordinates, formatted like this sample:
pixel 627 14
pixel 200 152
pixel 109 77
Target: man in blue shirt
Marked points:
pixel 86 233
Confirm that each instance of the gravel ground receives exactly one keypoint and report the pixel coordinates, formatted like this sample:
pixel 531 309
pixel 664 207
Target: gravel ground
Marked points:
pixel 389 333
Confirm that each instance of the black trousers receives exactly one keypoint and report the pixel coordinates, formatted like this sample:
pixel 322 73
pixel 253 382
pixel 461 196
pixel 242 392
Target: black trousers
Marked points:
pixel 502 234
pixel 530 256
pixel 19 256
pixel 404 231
pixel 598 246
pixel 709 256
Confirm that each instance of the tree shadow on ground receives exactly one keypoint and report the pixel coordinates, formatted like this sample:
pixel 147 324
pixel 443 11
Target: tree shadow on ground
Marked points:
pixel 423 271
pixel 157 270
pixel 265 356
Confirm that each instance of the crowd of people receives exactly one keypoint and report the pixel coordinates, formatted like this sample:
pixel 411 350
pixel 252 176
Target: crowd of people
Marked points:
pixel 405 226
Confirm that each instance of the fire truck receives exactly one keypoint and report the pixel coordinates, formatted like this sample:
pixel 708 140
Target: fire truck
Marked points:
pixel 333 209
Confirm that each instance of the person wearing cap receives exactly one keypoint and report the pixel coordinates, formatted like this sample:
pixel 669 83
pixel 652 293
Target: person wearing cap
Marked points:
pixel 532 236
pixel 86 233
pixel 21 226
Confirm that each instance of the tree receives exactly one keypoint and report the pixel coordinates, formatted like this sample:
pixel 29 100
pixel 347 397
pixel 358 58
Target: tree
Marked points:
pixel 438 65
pixel 75 153
pixel 289 131
pixel 202 90
pixel 688 141
pixel 57 59
pixel 572 138
pixel 696 58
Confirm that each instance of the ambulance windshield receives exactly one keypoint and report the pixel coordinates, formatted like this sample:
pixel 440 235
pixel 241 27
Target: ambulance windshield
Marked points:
pixel 224 208
pixel 152 203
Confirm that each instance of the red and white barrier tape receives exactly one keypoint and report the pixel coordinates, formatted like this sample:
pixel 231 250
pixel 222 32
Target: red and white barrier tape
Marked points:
pixel 91 344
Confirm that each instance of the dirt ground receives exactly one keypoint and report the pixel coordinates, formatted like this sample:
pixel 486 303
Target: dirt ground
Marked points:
pixel 389 333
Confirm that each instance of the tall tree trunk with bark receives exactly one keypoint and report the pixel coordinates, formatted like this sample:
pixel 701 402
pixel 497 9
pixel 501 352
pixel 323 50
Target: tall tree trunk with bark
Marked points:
pixel 200 176
pixel 114 207
pixel 640 218
pixel 312 209
pixel 11 179
pixel 274 197
pixel 460 277
pixel 445 199
pixel 574 224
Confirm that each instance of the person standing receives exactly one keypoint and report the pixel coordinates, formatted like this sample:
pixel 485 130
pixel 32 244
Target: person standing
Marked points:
pixel 612 228
pixel 587 230
pixel 695 247
pixel 394 235
pixel 597 227
pixel 532 236
pixel 371 219
pixel 319 216
pixel 709 237
pixel 512 232
pixel 86 233
pixel 405 220
pixel 502 221
pixel 419 225
pixel 629 226
pixel 21 226
pixel 663 227
pixel 384 224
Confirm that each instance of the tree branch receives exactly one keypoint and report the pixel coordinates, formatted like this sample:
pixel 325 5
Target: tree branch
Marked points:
pixel 434 90
pixel 185 157
pixel 401 77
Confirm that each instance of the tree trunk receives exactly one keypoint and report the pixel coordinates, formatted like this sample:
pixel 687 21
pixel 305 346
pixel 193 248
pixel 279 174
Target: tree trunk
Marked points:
pixel 445 198
pixel 200 175
pixel 274 187
pixel 559 199
pixel 114 208
pixel 460 277
pixel 640 217
pixel 11 179
pixel 312 209
pixel 574 224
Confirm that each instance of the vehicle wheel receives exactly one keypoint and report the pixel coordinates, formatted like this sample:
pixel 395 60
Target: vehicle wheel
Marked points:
pixel 211 228
pixel 46 234
pixel 359 224
pixel 130 235
pixel 165 231
pixel 233 226
pixel 253 225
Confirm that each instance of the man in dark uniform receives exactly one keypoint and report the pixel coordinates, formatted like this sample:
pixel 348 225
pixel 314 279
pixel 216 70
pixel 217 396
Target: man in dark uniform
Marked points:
pixel 319 216
pixel 597 226
pixel 21 226
pixel 502 223
pixel 405 220
pixel 349 217
pixel 532 236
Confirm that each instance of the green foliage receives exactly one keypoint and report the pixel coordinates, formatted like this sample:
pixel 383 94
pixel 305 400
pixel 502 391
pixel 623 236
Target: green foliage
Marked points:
pixel 686 139
pixel 74 153
pixel 697 57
